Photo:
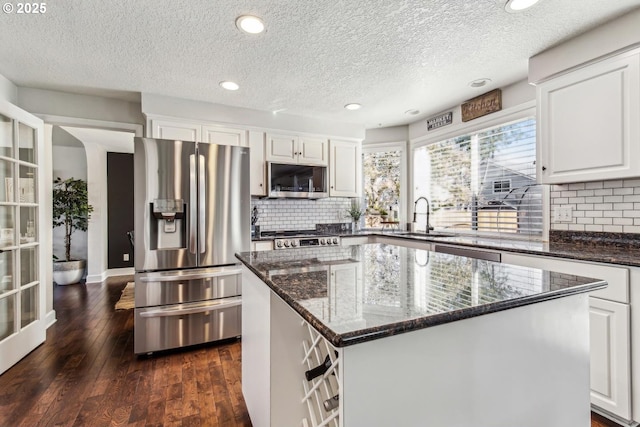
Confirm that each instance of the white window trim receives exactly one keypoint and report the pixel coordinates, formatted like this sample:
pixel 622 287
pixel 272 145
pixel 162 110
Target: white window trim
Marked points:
pixel 522 111
pixel 390 146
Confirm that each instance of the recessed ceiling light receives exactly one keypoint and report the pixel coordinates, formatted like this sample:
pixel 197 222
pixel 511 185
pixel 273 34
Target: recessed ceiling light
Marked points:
pixel 229 85
pixel 480 82
pixel 412 112
pixel 518 5
pixel 250 24
pixel 353 106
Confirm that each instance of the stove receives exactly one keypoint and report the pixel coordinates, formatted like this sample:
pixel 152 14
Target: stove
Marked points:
pixel 292 239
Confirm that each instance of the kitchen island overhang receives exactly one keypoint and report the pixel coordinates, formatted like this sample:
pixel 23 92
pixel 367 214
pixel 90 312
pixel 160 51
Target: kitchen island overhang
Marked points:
pixel 419 338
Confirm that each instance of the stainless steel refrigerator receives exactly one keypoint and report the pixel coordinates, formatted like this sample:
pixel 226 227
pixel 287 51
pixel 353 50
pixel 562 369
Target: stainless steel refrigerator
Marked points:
pixel 192 214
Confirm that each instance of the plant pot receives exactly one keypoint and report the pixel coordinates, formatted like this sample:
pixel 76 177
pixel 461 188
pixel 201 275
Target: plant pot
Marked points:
pixel 68 272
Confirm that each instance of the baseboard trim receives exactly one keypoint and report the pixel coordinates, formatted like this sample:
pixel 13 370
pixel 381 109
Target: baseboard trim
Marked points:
pixel 614 418
pixel 50 319
pixel 96 278
pixel 126 271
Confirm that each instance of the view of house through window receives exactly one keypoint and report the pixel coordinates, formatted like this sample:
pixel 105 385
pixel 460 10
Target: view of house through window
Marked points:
pixel 382 174
pixel 483 182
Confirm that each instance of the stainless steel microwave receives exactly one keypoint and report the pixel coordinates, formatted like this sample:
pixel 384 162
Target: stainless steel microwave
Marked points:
pixel 297 181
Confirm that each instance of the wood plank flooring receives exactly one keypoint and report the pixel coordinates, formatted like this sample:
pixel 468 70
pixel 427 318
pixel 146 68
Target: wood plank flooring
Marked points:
pixel 87 375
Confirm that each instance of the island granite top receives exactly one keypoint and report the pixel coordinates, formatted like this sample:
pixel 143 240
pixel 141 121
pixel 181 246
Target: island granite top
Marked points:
pixel 359 293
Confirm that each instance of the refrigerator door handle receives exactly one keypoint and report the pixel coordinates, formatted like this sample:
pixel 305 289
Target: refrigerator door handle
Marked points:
pixel 203 204
pixel 193 194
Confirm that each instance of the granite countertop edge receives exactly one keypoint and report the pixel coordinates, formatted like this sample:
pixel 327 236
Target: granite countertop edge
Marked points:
pixel 373 333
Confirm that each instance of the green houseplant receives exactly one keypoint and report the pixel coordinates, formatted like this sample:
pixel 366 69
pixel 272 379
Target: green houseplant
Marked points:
pixel 355 212
pixel 71 209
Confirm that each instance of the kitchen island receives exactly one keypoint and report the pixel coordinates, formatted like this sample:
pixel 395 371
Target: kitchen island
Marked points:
pixel 409 337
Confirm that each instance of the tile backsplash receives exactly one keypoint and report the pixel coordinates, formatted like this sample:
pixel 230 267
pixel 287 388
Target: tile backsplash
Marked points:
pixel 607 206
pixel 300 214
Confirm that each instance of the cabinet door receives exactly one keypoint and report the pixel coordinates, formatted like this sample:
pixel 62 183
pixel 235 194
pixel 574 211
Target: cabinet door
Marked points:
pixel 313 151
pixel 345 169
pixel 224 136
pixel 257 169
pixel 589 122
pixel 282 148
pixel 168 129
pixel 610 356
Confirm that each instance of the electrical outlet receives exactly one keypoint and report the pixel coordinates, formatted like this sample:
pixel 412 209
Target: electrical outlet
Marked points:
pixel 563 213
pixel 125 257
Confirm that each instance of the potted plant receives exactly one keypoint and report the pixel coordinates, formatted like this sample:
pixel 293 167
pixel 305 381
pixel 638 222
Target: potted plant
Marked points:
pixel 355 212
pixel 72 210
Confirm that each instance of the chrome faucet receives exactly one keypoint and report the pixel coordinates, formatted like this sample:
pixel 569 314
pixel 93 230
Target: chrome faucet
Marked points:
pixel 415 213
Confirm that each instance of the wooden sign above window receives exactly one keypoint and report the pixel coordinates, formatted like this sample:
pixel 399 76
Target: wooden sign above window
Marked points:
pixel 482 105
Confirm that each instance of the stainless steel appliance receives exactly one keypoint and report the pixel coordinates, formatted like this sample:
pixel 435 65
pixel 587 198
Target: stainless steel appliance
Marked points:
pixel 297 181
pixel 301 239
pixel 191 217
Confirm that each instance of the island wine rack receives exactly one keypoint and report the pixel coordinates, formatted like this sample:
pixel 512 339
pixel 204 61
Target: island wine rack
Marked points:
pixel 320 392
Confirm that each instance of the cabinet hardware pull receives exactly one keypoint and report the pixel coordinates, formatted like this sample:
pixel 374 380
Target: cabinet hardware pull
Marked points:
pixel 544 168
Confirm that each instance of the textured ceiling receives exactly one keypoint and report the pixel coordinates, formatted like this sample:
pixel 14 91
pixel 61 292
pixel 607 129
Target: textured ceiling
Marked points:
pixel 316 56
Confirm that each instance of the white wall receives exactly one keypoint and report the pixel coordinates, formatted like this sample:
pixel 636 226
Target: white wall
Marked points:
pixel 512 96
pixel 245 117
pixel 52 103
pixel 388 134
pixel 618 34
pixel 8 91
pixel 68 162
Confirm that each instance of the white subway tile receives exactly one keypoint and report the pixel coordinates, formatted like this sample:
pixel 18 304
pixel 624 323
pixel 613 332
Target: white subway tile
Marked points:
pixel 632 198
pixel 595 199
pixel 580 214
pixel 575 200
pixel 576 227
pixel 622 191
pixel 612 214
pixel 603 221
pixel 585 207
pixel 568 193
pixel 622 206
pixel 559 226
pixel 586 193
pixel 554 194
pixel 623 221
pixel 612 229
pixel 593 228
pixel 631 228
pixel 576 186
pixel 603 206
pixel 612 199
pixel 631 214
pixel 585 220
pixel 612 184
pixel 560 201
pixel 593 185
pixel 603 192
pixel 593 214
pixel 631 183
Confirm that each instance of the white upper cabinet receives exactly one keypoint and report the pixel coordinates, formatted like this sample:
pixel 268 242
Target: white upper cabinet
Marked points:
pixel 258 171
pixel 224 135
pixel 294 149
pixel 169 129
pixel 345 169
pixel 589 122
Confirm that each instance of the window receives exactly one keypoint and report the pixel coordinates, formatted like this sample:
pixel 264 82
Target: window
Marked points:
pixel 483 182
pixel 383 176
pixel 502 186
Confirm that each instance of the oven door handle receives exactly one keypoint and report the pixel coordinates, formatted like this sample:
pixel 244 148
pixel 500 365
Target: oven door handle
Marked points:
pixel 167 278
pixel 180 311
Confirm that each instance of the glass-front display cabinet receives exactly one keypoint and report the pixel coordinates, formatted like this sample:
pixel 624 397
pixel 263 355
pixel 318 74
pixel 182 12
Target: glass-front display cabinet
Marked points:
pixel 19 269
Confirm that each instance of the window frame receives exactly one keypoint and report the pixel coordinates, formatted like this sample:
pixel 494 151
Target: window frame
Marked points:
pixel 519 112
pixel 401 146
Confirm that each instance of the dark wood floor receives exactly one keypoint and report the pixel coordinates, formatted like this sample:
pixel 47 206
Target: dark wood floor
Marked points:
pixel 87 375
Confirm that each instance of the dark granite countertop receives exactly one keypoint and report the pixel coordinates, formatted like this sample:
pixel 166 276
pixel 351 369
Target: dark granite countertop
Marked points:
pixel 358 293
pixel 610 248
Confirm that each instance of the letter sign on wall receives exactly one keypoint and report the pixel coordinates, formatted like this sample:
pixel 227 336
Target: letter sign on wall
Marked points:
pixel 482 105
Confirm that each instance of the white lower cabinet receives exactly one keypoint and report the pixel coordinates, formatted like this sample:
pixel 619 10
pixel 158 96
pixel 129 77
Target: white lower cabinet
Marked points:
pixel 610 356
pixel 610 320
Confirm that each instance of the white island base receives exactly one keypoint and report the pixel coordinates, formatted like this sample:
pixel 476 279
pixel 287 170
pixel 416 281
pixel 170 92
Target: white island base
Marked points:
pixel 521 367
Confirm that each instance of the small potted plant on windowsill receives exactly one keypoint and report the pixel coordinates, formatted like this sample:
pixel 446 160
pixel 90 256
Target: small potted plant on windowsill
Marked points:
pixel 355 212
pixel 72 210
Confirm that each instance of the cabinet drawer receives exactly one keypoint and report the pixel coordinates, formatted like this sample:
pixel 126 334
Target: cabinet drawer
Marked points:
pixel 182 287
pixel 617 278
